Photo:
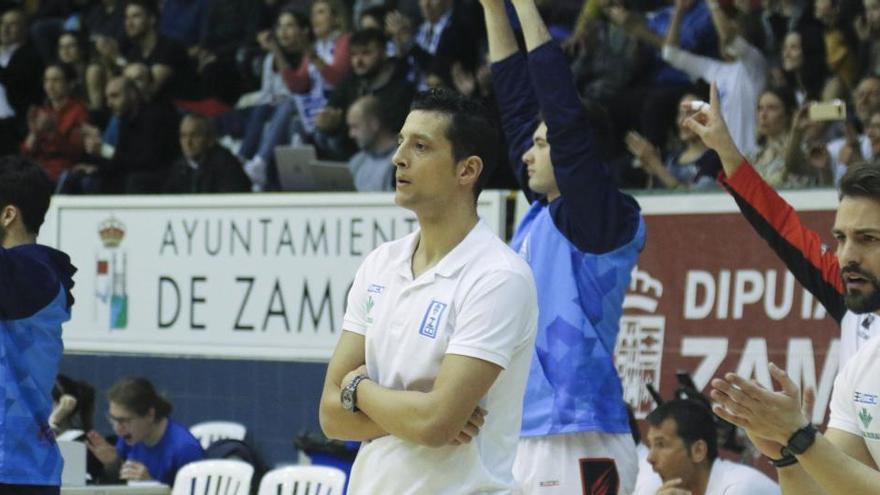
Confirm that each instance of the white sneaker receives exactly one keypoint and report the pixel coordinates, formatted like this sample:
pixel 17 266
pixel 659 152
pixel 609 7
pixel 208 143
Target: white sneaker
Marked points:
pixel 255 168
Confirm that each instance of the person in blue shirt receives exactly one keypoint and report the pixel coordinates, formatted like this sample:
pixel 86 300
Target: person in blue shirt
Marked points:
pixel 151 446
pixel 582 237
pixel 35 299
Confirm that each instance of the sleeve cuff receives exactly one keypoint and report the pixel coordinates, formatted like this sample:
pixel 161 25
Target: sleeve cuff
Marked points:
pixel 354 327
pixel 483 354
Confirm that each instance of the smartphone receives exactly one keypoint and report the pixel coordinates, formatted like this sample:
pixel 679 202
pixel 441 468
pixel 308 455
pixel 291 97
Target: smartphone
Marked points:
pixel 827 111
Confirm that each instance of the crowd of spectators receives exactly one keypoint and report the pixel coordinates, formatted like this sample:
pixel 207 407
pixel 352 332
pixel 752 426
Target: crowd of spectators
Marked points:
pixel 150 96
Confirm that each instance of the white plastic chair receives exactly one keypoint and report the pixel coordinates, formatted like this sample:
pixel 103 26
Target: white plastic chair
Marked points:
pixel 69 435
pixel 211 431
pixel 303 480
pixel 214 476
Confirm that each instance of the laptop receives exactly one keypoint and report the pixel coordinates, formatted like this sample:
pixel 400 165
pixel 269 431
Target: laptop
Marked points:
pixel 300 170
pixel 74 455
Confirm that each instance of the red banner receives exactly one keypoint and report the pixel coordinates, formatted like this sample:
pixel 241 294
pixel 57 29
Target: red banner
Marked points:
pixel 709 296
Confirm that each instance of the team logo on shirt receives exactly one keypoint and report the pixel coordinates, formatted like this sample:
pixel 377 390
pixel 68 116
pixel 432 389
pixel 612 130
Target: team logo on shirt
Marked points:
pixel 865 417
pixel 863 398
pixel 639 349
pixel 431 320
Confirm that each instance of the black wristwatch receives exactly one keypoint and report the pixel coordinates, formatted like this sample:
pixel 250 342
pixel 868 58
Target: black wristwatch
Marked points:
pixel 348 397
pixel 800 441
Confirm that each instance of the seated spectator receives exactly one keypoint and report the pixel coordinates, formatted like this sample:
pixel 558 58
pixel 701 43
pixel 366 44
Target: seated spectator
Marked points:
pixel 805 154
pixel 368 126
pixel 285 46
pixel 54 139
pixel 867 28
pixel 205 166
pixel 775 111
pixel 853 147
pixel 805 72
pixel 328 55
pixel 684 456
pixel 841 52
pixel 651 102
pixel 172 74
pixel 607 59
pixel 145 149
pixel 690 164
pixel 151 446
pixel 740 75
pixel 73 51
pixel 372 73
pixel 445 36
pixel 21 72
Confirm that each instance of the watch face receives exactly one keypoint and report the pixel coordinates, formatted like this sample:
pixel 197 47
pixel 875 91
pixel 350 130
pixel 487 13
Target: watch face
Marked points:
pixel 347 402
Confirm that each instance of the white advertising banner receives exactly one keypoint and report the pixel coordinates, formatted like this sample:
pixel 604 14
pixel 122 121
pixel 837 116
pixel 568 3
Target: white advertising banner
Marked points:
pixel 229 276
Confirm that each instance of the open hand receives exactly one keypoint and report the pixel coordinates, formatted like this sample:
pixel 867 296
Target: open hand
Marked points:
pixel 763 413
pixel 101 448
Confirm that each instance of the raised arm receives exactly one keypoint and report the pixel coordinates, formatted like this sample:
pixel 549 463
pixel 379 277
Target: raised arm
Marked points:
pixel 592 213
pixel 800 248
pixel 513 90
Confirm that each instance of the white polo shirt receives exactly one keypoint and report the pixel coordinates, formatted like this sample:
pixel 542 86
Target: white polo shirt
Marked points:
pixel 855 401
pixel 478 301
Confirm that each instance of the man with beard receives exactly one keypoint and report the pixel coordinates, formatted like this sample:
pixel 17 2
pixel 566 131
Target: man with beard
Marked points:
pixel 849 290
pixel 35 299
pixel 372 73
pixel 844 459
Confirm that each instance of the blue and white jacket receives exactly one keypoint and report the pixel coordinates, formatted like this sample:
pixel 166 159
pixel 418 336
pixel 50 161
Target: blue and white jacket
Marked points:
pixel 582 248
pixel 35 299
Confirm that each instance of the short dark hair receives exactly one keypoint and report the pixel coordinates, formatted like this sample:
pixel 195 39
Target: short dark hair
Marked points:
pixel 26 186
pixel 693 421
pixel 138 395
pixel 471 130
pixel 150 6
pixel 364 37
pixel 861 181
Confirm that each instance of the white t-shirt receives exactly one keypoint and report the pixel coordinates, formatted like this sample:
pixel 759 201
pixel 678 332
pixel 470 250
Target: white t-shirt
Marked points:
pixel 479 301
pixel 855 330
pixel 855 401
pixel 739 85
pixel 726 478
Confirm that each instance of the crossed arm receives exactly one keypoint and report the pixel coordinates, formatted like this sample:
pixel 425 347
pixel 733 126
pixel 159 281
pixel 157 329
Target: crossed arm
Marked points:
pixel 447 414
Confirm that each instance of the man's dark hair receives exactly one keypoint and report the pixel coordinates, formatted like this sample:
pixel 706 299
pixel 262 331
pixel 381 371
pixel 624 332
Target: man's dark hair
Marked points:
pixel 861 181
pixel 471 130
pixel 364 37
pixel 138 395
pixel 23 184
pixel 150 6
pixel 693 422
